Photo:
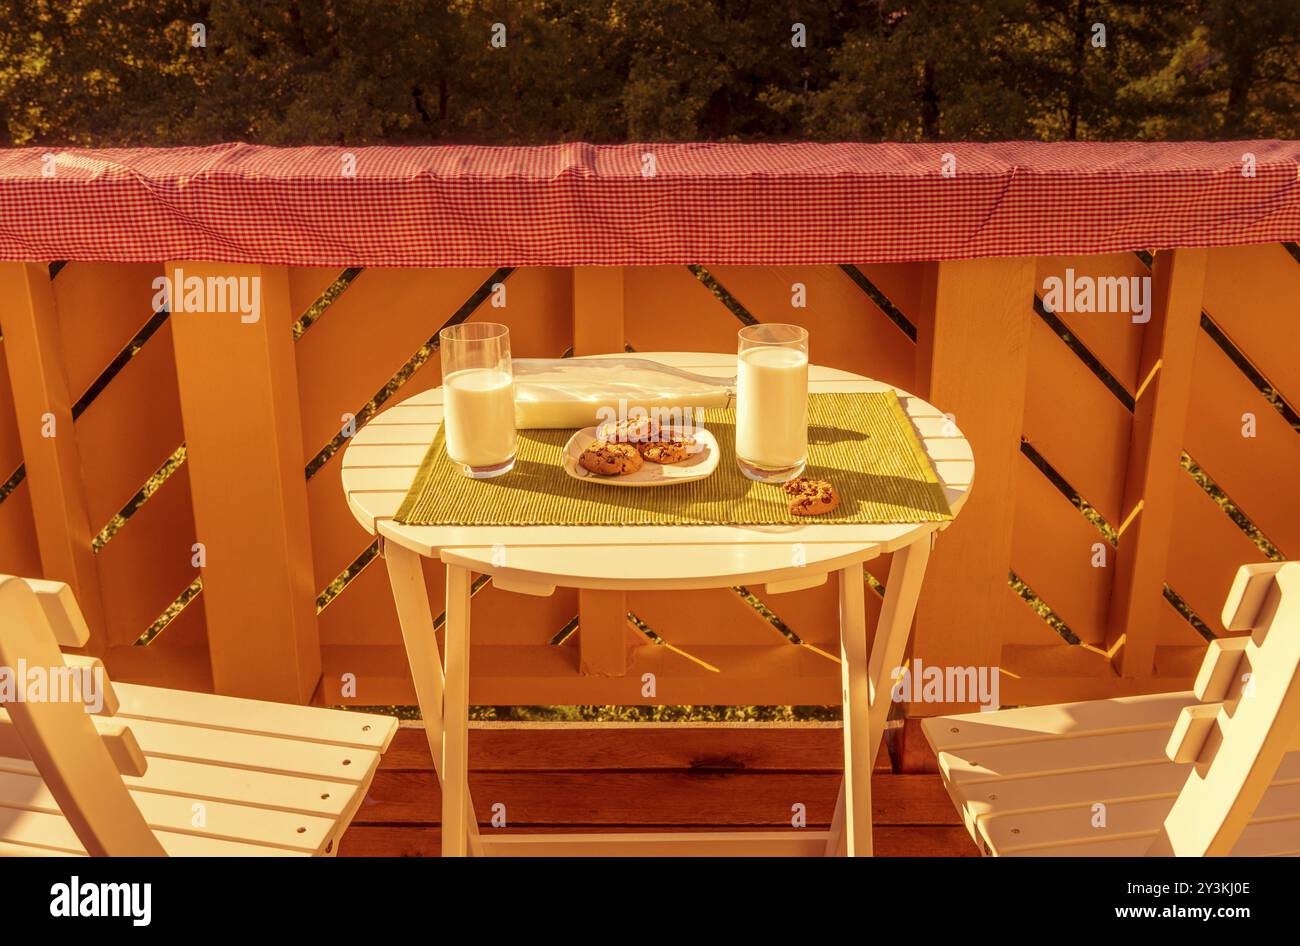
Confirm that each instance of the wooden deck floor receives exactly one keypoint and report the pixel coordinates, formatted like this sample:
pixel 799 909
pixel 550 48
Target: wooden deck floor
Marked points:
pixel 628 777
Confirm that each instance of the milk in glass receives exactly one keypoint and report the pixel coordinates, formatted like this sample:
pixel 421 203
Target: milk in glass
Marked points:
pixel 772 407
pixel 479 416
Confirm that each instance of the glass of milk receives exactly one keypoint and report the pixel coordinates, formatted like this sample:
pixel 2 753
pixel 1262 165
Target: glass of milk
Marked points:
pixel 478 397
pixel 772 402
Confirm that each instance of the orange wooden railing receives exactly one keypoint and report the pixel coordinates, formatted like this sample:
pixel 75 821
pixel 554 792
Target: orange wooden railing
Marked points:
pixel 182 470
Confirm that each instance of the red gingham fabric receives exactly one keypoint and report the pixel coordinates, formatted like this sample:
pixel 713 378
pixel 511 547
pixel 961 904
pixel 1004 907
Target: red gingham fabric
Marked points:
pixel 581 204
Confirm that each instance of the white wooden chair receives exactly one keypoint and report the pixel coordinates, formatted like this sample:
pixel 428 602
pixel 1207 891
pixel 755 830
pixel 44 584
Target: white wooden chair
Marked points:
pixel 158 771
pixel 1212 771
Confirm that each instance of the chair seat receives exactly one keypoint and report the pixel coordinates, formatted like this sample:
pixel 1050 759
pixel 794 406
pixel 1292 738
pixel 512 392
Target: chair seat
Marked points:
pixel 1087 779
pixel 225 777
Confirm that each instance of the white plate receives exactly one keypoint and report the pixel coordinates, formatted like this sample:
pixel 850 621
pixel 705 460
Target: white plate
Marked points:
pixel 695 467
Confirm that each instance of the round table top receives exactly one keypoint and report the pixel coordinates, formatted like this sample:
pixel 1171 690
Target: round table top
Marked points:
pixel 382 458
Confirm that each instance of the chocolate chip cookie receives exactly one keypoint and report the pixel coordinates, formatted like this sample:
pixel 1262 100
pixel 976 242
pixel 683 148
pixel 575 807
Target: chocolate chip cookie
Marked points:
pixel 668 450
pixel 810 497
pixel 631 430
pixel 610 459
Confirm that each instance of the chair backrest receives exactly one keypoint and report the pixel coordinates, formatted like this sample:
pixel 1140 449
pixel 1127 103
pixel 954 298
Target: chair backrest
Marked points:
pixel 1248 717
pixel 80 756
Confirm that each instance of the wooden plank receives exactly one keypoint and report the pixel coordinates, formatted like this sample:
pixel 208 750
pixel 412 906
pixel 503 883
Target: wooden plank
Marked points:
pixel 846 328
pixel 1044 689
pixel 101 308
pixel 164 811
pixel 901 283
pixel 350 353
pixel 597 309
pixel 302 723
pixel 705 616
pixel 813 614
pixel 698 747
pixel 993 763
pixel 1211 549
pixel 538 311
pixel 364 840
pixel 972 361
pixel 582 799
pixel 1052 550
pixel 244 436
pixel 1078 426
pixel 59 606
pixel 1168 353
pixel 46 832
pixel 1036 724
pixel 116 737
pixel 184 667
pixel 665 844
pixel 11 448
pixel 34 352
pixel 668 309
pixel 543 675
pixel 307 283
pixel 1251 292
pixel 1248 469
pixel 605 637
pixel 19 549
pixel 598 327
pixel 336 536
pixel 1113 337
pixel 502 617
pixel 130 429
pixel 149 562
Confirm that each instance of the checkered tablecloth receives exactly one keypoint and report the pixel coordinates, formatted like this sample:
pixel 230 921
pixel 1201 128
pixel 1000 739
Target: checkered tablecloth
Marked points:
pixel 580 204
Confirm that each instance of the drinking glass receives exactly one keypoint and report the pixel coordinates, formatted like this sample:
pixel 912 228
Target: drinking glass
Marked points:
pixel 478 397
pixel 772 402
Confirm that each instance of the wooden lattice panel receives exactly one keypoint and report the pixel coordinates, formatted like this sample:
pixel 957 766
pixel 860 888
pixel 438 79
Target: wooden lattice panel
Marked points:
pixel 1047 399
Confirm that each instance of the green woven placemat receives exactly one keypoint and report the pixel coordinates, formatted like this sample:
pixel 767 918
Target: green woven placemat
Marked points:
pixel 864 444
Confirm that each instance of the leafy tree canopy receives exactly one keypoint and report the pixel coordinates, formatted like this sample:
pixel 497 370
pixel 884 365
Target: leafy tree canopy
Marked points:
pixel 133 72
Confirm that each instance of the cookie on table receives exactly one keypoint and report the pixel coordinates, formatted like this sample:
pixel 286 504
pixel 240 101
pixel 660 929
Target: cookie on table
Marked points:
pixel 610 459
pixel 810 497
pixel 633 430
pixel 668 450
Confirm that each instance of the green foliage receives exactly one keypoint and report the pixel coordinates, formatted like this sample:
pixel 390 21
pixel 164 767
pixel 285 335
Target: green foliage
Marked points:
pixel 124 72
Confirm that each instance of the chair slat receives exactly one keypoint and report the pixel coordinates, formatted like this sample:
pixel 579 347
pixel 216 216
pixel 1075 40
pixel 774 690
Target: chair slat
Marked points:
pixel 1161 779
pixel 1026 724
pixel 118 738
pixel 1219 668
pixel 62 611
pixel 307 723
pixel 103 686
pixel 1107 750
pixel 1191 730
pixel 241 750
pixel 220 820
pixel 53 835
pixel 1025 831
pixel 291 793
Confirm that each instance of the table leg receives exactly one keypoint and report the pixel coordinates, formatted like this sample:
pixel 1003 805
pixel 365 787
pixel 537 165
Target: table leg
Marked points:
pixel 411 596
pixel 867 684
pixel 855 692
pixel 455 710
